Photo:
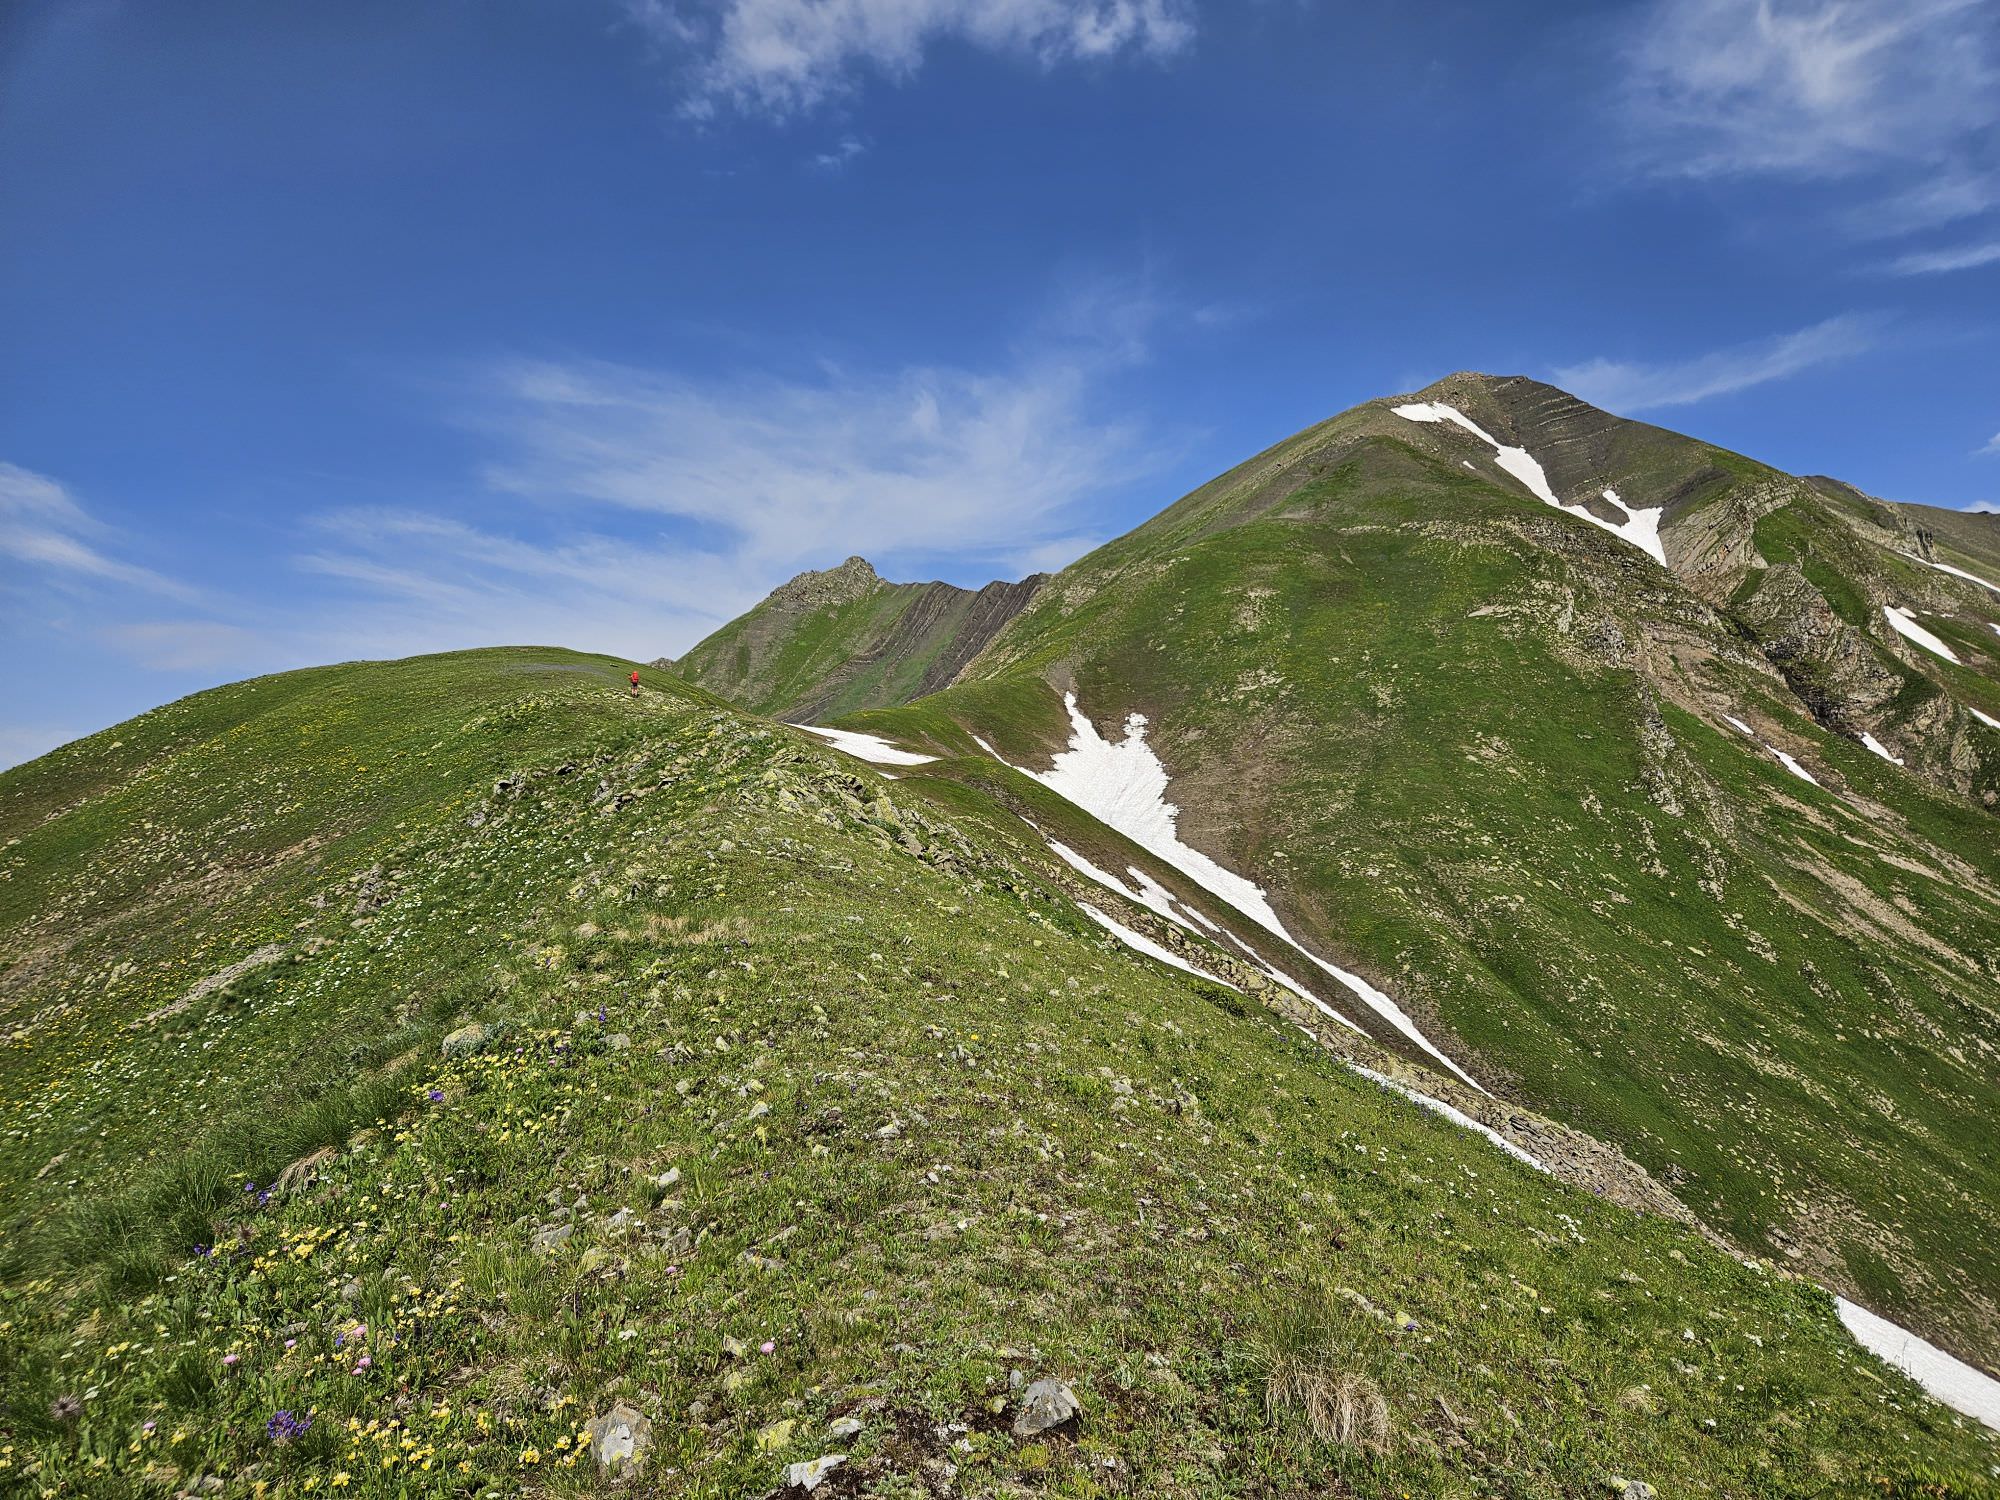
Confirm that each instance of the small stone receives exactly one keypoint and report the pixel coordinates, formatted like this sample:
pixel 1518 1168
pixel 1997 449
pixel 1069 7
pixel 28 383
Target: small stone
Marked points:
pixel 1044 1405
pixel 776 1437
pixel 668 1178
pixel 620 1441
pixel 351 1292
pixel 808 1475
pixel 844 1427
pixel 550 1237
pixel 1633 1489
pixel 618 1041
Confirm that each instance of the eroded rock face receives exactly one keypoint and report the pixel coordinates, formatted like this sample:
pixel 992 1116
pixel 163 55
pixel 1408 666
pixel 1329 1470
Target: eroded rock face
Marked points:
pixel 620 1441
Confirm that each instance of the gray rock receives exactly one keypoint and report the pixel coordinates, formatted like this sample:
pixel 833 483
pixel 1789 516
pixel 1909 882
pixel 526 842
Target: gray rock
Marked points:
pixel 808 1476
pixel 844 1427
pixel 468 1039
pixel 1633 1489
pixel 550 1237
pixel 1044 1405
pixel 620 1440
pixel 618 1041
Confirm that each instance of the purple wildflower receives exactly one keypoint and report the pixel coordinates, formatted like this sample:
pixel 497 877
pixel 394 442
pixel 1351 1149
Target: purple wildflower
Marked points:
pixel 283 1426
pixel 437 1096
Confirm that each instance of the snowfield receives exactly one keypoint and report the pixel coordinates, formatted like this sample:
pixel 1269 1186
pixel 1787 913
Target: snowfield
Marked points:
pixel 1140 943
pixel 1641 528
pixel 1952 1381
pixel 1905 624
pixel 1124 785
pixel 1985 718
pixel 867 747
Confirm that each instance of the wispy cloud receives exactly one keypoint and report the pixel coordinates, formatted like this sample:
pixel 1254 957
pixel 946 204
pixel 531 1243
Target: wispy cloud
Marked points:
pixel 43 527
pixel 635 510
pixel 1625 386
pixel 935 459
pixel 1984 507
pixel 1818 87
pixel 1957 258
pixel 1897 101
pixel 784 57
pixel 839 157
pixel 1992 445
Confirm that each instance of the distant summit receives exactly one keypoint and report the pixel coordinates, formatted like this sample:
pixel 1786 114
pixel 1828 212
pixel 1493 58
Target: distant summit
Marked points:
pixel 841 639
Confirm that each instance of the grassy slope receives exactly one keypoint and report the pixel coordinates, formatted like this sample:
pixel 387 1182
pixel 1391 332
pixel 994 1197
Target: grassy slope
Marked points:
pixel 1424 725
pixel 929 1127
pixel 792 663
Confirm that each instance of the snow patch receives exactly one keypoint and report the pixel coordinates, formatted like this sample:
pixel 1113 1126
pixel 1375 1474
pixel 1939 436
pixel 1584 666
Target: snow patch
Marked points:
pixel 1951 1381
pixel 1794 767
pixel 1456 1116
pixel 1869 742
pixel 1905 624
pixel 1985 718
pixel 1956 573
pixel 1640 528
pixel 1139 942
pixel 868 747
pixel 1124 785
pixel 1149 893
pixel 1293 985
pixel 1736 723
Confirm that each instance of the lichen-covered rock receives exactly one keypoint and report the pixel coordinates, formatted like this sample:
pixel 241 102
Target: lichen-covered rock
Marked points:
pixel 620 1439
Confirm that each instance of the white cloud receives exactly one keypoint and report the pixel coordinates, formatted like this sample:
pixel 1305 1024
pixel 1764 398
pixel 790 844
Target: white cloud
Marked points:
pixel 1957 258
pixel 1984 507
pixel 1622 386
pixel 781 57
pixel 1821 88
pixel 838 158
pixel 976 464
pixel 42 525
pixel 633 510
pixel 407 581
pixel 1992 444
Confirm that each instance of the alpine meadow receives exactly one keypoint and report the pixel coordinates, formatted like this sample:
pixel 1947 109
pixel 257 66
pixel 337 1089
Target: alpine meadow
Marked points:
pixel 642 854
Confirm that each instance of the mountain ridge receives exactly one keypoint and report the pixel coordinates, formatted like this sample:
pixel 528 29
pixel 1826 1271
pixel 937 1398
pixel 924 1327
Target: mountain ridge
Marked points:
pixel 1487 758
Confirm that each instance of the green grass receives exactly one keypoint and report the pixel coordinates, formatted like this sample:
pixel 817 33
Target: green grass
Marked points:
pixel 1416 712
pixel 930 1127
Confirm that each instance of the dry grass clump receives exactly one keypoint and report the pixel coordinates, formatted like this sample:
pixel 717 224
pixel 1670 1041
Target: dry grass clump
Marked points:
pixel 1308 1374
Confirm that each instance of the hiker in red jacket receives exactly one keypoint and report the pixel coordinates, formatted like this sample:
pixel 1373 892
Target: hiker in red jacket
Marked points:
pixel 635 684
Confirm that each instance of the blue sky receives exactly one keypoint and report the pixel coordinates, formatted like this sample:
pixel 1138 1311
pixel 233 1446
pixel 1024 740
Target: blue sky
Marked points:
pixel 358 330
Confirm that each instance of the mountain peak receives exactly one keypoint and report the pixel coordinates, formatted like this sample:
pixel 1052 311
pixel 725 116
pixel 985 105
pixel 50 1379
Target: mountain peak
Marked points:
pixel 854 579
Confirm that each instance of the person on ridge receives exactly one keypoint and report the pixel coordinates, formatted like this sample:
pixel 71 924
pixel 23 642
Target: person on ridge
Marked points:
pixel 635 684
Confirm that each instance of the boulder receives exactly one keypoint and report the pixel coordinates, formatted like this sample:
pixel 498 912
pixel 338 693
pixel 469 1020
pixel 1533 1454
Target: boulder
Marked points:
pixel 1044 1405
pixel 620 1439
pixel 809 1474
